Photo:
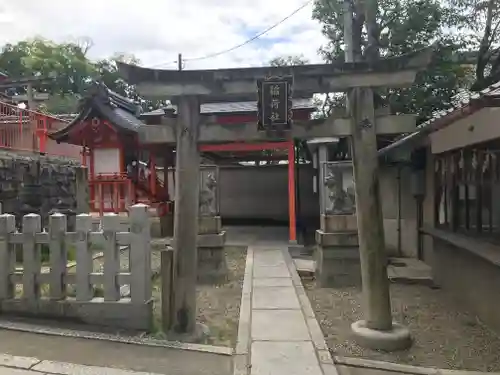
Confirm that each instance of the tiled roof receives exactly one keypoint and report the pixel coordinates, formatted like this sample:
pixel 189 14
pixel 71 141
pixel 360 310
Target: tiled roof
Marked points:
pixel 235 107
pixel 118 110
pixel 460 101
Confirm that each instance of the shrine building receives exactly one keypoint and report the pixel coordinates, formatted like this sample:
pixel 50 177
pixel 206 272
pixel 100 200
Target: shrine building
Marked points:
pixel 108 129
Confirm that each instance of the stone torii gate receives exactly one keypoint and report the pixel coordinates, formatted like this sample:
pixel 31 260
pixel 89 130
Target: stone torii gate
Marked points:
pixel 189 88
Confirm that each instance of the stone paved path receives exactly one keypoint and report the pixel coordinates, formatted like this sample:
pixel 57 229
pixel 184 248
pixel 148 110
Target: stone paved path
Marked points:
pixel 284 335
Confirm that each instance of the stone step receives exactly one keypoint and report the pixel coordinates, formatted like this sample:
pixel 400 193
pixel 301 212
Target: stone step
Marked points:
pixel 401 271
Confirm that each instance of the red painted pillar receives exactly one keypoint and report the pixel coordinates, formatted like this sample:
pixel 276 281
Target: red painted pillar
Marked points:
pixel 291 192
pixel 152 176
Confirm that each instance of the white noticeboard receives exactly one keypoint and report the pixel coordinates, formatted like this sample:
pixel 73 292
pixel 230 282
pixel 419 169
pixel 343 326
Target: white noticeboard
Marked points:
pixel 107 160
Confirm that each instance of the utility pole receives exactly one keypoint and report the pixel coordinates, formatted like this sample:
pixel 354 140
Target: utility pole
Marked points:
pixel 377 331
pixel 179 61
pixel 187 168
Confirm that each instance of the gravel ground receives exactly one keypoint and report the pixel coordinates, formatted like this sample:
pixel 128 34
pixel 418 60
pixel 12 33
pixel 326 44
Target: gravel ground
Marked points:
pixel 444 336
pixel 219 305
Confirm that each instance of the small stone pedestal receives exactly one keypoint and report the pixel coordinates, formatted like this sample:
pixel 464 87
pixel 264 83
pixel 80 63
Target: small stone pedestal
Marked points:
pixel 397 338
pixel 337 252
pixel 212 266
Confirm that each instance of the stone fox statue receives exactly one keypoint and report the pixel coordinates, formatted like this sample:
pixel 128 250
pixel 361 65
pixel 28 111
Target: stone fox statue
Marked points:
pixel 342 200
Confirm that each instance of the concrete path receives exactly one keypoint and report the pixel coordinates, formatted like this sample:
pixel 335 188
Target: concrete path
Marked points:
pixel 15 365
pixel 285 337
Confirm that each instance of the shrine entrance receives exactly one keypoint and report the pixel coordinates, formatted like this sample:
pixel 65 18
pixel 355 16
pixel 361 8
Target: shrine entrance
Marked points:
pixel 287 147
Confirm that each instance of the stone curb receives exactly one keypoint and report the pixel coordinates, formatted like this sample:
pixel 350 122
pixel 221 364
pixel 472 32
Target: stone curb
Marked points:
pixel 241 360
pixel 402 368
pixel 52 331
pixel 317 338
pixel 35 365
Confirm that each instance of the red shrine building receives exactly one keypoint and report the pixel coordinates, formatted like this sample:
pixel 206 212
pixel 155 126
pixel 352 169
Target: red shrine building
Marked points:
pixel 123 171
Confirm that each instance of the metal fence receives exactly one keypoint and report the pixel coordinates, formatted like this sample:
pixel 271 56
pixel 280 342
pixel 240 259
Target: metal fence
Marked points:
pixel 27 130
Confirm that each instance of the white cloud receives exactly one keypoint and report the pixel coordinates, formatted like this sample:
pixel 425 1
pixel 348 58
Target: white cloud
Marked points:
pixel 156 30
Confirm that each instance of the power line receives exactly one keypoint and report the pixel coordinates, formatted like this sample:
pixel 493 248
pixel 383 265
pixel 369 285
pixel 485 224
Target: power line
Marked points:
pixel 255 37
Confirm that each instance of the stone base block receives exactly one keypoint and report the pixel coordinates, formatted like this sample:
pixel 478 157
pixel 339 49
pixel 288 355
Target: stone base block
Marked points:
pixel 398 338
pixel 337 266
pixel 209 224
pixel 212 265
pixel 342 239
pixel 338 223
pixel 295 249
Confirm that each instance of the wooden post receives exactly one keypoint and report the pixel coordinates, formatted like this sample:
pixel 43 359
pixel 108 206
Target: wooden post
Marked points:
pixel 369 210
pixel 7 256
pixel 84 263
pixel 179 61
pixel 186 215
pixel 58 257
pixel 361 110
pixel 360 106
pixel 110 226
pixel 33 121
pixel 140 254
pixel 166 270
pixel 291 193
pixel 152 175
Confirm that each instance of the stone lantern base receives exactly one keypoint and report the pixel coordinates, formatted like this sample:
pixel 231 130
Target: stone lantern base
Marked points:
pixel 212 266
pixel 337 252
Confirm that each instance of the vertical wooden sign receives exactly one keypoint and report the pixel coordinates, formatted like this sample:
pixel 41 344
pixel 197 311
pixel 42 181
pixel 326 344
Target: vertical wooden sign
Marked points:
pixel 274 103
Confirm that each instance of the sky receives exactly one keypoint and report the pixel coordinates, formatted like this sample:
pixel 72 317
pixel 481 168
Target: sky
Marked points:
pixel 155 31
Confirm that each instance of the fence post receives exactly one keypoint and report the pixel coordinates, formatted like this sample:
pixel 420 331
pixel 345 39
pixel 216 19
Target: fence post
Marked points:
pixel 7 257
pixel 140 253
pixel 84 263
pixel 110 226
pixel 58 255
pixel 32 224
pixel 166 273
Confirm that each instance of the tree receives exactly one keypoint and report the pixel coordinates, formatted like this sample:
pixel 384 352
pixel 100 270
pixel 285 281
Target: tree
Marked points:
pixel 485 14
pixel 65 63
pixel 288 60
pixel 68 66
pixel 402 26
pixel 106 71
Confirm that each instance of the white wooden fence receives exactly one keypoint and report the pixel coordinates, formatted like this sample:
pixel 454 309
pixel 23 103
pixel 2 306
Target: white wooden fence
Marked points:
pixel 110 309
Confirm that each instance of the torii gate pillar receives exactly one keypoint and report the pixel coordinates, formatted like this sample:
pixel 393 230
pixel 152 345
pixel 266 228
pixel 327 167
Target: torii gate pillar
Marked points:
pixel 226 84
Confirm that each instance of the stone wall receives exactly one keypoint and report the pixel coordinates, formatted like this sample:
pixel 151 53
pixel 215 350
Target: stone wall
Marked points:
pixel 54 183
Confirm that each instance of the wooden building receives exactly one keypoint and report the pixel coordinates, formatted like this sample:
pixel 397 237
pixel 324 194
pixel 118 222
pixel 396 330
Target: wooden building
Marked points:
pixel 456 186
pixel 108 128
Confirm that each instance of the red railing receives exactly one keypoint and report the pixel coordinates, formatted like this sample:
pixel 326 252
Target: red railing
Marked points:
pixel 27 130
pixel 111 193
pixel 115 192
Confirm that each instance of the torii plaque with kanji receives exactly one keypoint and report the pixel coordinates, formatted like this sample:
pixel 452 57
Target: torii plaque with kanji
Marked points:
pixel 275 103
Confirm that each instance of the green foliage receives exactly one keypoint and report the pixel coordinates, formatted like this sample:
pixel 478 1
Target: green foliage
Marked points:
pixel 404 26
pixel 45 254
pixel 68 66
pixel 485 16
pixel 288 60
pixel 65 63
